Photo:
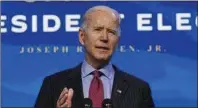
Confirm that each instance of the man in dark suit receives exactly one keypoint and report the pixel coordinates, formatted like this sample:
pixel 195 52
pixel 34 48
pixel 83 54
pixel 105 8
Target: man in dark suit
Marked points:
pixel 96 78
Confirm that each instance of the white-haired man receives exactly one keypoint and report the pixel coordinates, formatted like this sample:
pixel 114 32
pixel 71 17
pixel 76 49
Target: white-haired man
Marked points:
pixel 96 78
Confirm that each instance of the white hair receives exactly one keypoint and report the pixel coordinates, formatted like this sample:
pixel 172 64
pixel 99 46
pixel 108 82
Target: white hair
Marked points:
pixel 101 8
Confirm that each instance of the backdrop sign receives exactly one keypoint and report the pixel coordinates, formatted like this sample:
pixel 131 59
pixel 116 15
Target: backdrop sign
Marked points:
pixel 158 44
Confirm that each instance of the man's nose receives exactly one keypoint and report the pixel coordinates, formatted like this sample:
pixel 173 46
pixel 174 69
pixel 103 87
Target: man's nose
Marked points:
pixel 104 36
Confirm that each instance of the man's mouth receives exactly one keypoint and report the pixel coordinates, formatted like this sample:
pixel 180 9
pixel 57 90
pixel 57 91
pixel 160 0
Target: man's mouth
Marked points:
pixel 102 48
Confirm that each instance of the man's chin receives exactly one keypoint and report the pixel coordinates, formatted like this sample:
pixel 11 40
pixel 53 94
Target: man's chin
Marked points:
pixel 103 58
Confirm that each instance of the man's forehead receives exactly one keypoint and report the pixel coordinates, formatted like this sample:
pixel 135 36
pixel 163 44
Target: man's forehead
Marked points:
pixel 97 24
pixel 100 19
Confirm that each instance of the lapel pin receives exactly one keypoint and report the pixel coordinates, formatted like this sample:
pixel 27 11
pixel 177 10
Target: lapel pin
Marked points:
pixel 119 91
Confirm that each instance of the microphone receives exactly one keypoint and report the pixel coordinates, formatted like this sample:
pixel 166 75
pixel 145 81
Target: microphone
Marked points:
pixel 87 103
pixel 107 103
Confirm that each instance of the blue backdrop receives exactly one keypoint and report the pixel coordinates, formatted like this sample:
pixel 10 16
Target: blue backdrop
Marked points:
pixel 171 72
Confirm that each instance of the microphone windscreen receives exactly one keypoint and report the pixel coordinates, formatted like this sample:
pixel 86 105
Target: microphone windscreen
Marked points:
pixel 87 103
pixel 107 103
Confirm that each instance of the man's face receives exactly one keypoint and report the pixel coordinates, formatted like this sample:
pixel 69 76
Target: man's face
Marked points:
pixel 101 36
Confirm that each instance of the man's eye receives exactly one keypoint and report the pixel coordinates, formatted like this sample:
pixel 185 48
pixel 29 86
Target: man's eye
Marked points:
pixel 97 29
pixel 113 32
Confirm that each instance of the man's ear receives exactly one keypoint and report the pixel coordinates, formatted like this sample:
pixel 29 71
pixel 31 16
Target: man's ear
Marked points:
pixel 81 36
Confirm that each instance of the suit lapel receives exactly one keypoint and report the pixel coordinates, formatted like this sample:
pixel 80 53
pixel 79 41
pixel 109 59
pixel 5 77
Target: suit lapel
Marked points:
pixel 76 83
pixel 120 87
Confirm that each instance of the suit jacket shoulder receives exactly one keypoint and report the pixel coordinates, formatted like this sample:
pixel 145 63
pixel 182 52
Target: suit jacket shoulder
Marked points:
pixel 66 74
pixel 135 81
pixel 129 90
pixel 54 84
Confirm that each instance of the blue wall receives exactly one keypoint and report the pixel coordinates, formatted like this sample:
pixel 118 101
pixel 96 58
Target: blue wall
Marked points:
pixel 171 73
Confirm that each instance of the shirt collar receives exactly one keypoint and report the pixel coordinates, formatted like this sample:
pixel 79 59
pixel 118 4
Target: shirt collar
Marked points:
pixel 87 69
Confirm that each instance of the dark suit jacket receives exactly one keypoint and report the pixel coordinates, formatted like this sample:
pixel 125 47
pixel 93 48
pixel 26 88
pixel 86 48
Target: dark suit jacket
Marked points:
pixel 135 92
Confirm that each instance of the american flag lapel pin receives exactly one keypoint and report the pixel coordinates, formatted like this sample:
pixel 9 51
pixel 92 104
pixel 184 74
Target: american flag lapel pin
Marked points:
pixel 119 91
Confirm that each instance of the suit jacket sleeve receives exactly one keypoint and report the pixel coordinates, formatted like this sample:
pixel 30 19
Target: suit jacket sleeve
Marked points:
pixel 147 98
pixel 45 96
